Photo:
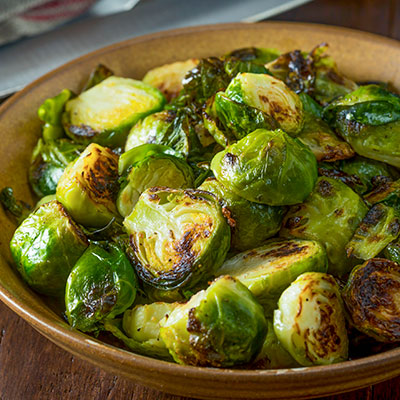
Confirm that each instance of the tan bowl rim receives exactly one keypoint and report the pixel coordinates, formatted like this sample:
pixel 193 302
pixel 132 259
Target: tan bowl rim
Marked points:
pixel 70 338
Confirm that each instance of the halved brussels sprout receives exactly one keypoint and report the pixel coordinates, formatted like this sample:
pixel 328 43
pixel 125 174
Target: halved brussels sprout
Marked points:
pixel 253 223
pixel 310 320
pixel 371 297
pixel 105 113
pixel 218 327
pixel 267 167
pixel 168 78
pixel 49 160
pixel 271 96
pixel 101 286
pixel 268 270
pixel 272 354
pixel 379 227
pixel 387 193
pixel 330 215
pixel 89 186
pixel 314 73
pixel 50 113
pixel 156 168
pixel 46 246
pixel 179 237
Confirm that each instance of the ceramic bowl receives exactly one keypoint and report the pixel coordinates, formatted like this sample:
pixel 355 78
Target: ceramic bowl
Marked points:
pixel 361 56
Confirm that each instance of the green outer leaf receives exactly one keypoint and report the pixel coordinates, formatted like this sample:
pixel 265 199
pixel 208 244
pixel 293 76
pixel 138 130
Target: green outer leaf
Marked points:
pixel 45 248
pixel 101 285
pixel 267 167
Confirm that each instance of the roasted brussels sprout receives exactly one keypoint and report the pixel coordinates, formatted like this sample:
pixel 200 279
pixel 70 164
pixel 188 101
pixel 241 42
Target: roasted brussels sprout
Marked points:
pixel 253 223
pixel 371 296
pixel 49 160
pixel 267 167
pixel 269 95
pixel 387 193
pixel 268 270
pixel 151 166
pixel 105 113
pixel 89 185
pixel 310 321
pixel 46 246
pixel 50 113
pixel 272 354
pixel 219 327
pixel 168 78
pixel 314 73
pixel 179 237
pixel 379 227
pixel 330 215
pixel 256 55
pixel 101 285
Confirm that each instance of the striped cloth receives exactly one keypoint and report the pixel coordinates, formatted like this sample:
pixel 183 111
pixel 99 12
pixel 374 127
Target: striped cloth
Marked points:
pixel 19 18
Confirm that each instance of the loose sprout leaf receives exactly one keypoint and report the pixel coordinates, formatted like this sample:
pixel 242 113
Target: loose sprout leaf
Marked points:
pixel 330 215
pixel 46 246
pixel 310 321
pixel 219 327
pixel 379 227
pixel 268 270
pixel 98 74
pixel 17 208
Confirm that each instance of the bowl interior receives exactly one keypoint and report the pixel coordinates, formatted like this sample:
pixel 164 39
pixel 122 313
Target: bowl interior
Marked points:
pixel 359 55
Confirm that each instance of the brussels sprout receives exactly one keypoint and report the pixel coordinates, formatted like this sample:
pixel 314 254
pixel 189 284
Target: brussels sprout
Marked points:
pixel 387 193
pixel 105 113
pixel 330 215
pixel 267 167
pixel 268 270
pixel 157 169
pixel 253 223
pixel 314 73
pixel 16 208
pixel 269 95
pixel 379 227
pixel 98 74
pixel 50 113
pixel 179 237
pixel 49 160
pixel 310 322
pixel 219 327
pixel 392 252
pixel 258 55
pixel 272 354
pixel 168 78
pixel 142 324
pixel 369 105
pixel 46 246
pixel 89 186
pixel 371 296
pixel 101 285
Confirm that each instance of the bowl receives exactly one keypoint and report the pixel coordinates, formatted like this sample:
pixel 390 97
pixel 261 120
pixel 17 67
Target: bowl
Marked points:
pixel 361 56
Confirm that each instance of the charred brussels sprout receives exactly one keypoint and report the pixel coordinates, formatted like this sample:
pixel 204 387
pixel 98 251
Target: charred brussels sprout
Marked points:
pixel 168 78
pixel 267 167
pixel 379 227
pixel 179 237
pixel 101 285
pixel 271 96
pixel 105 113
pixel 149 169
pixel 46 246
pixel 89 186
pixel 371 296
pixel 330 215
pixel 257 55
pixel 219 327
pixel 253 223
pixel 310 321
pixel 387 193
pixel 268 270
pixel 50 113
pixel 368 119
pixel 49 160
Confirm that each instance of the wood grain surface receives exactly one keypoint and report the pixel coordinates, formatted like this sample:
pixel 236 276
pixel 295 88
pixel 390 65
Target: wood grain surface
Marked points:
pixel 31 367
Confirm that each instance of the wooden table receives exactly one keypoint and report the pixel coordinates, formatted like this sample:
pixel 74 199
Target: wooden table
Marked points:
pixel 31 367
